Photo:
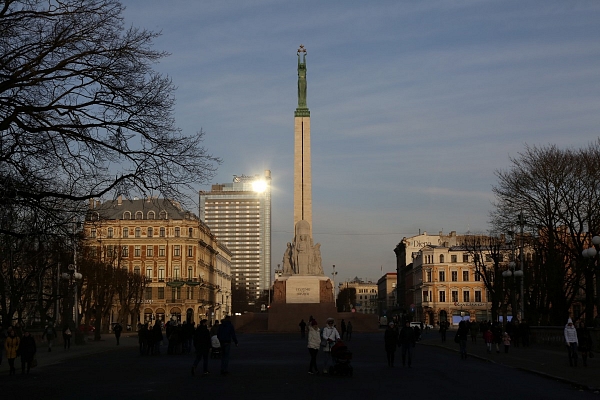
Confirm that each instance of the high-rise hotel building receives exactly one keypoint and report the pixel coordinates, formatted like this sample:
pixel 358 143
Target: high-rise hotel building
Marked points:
pixel 239 215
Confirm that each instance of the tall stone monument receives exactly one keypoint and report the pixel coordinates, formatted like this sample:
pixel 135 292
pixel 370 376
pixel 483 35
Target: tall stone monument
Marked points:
pixel 302 289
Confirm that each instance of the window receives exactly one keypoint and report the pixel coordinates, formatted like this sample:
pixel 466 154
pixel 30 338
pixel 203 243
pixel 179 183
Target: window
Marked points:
pixel 149 251
pixel 453 258
pixel 478 296
pixel 138 232
pixel 191 232
pixel 454 276
pixel 442 276
pixel 137 251
pixel 139 215
pixel 93 232
pixel 466 297
pixel 176 274
pixel 428 276
pixel 150 232
pixel 125 232
pixel 151 215
pixel 488 258
pixel 177 250
pixel 161 293
pixel 190 251
pixel 149 272
pixel 425 295
pixel 161 251
pixel 442 296
pixel 441 258
pixel 161 274
pixel 125 251
pixel 127 215
pixel 110 233
pixel 477 276
pixel 177 231
pixel 162 215
pixel 190 293
pixel 148 293
pixel 190 272
pixel 136 270
pixel 465 258
pixel 455 296
pixel 162 231
pixel 466 276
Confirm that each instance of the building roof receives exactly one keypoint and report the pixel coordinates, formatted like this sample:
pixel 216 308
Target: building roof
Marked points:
pixel 114 209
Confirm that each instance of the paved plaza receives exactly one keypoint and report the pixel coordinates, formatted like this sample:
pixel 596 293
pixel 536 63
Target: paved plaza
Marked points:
pixel 274 366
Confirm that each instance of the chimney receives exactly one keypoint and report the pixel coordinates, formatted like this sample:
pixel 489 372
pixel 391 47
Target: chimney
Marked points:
pixel 120 200
pixel 92 202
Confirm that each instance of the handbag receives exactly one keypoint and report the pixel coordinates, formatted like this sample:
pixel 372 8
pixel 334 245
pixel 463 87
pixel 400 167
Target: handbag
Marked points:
pixel 34 363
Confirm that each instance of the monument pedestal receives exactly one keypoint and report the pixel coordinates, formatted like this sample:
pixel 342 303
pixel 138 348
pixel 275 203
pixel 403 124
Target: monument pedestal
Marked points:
pixel 298 297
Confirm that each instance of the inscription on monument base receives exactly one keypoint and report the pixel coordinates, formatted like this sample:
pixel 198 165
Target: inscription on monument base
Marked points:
pixel 302 290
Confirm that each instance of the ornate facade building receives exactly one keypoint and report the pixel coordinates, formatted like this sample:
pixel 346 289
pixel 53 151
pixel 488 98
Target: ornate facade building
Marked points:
pixel 366 295
pixel 188 270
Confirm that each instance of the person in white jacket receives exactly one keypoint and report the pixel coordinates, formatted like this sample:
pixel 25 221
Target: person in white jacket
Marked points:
pixel 314 341
pixel 330 335
pixel 572 342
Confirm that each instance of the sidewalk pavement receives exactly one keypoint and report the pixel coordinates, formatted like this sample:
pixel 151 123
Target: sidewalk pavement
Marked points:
pixel 551 362
pixel 59 354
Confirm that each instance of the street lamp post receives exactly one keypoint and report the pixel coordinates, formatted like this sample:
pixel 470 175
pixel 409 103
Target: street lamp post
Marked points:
pixel 592 254
pixel 73 276
pixel 333 274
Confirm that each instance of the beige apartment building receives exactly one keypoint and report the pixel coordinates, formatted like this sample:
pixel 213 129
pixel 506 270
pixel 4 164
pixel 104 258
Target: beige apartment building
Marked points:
pixel 444 286
pixel 366 295
pixel 386 293
pixel 188 269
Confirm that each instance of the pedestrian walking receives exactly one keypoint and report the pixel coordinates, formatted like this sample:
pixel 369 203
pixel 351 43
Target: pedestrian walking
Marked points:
pixel 474 329
pixel 390 340
pixel 349 330
pixel 50 335
pixel 329 336
pixel 572 342
pixel 302 326
pixel 585 342
pixel 342 329
pixel 117 329
pixel 66 334
pixel 143 336
pixel 488 337
pixel 202 344
pixel 314 342
pixel 11 346
pixel 497 332
pixel 443 329
pixel 226 335
pixel 27 349
pixel 157 337
pixel 506 341
pixel 462 334
pixel 407 338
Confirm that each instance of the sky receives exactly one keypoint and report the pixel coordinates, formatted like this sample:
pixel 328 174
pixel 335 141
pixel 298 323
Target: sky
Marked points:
pixel 415 105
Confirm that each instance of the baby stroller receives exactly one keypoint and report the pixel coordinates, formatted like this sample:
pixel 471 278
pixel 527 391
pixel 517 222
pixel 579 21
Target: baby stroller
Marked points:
pixel 341 358
pixel 215 347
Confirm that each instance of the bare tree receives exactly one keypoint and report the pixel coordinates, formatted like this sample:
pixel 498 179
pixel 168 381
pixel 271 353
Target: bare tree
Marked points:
pixel 557 193
pixel 83 114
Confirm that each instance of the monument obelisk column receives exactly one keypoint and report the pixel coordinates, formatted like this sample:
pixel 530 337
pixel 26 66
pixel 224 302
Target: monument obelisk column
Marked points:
pixel 302 167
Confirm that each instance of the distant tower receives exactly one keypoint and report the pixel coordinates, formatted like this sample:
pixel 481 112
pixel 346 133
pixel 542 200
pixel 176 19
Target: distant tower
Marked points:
pixel 302 168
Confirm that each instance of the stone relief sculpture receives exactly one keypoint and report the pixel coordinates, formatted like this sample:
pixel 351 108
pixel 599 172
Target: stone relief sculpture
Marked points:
pixel 302 257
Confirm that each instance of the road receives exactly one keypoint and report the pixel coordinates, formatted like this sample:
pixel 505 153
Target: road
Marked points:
pixel 274 366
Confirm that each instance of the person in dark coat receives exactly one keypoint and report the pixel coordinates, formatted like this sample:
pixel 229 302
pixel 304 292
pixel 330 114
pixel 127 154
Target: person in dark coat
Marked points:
pixel 143 336
pixel 157 336
pixel 302 326
pixel 343 329
pixel 390 339
pixel 226 335
pixel 463 336
pixel 27 349
pixel 67 334
pixel 202 346
pixel 117 329
pixel 407 339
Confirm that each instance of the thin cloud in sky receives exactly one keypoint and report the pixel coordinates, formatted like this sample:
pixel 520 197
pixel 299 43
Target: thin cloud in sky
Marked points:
pixel 414 104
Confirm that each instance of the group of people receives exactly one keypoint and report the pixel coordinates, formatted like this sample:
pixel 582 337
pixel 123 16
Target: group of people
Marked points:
pixel 17 343
pixel 322 340
pixel 220 336
pixel 405 338
pixel 345 328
